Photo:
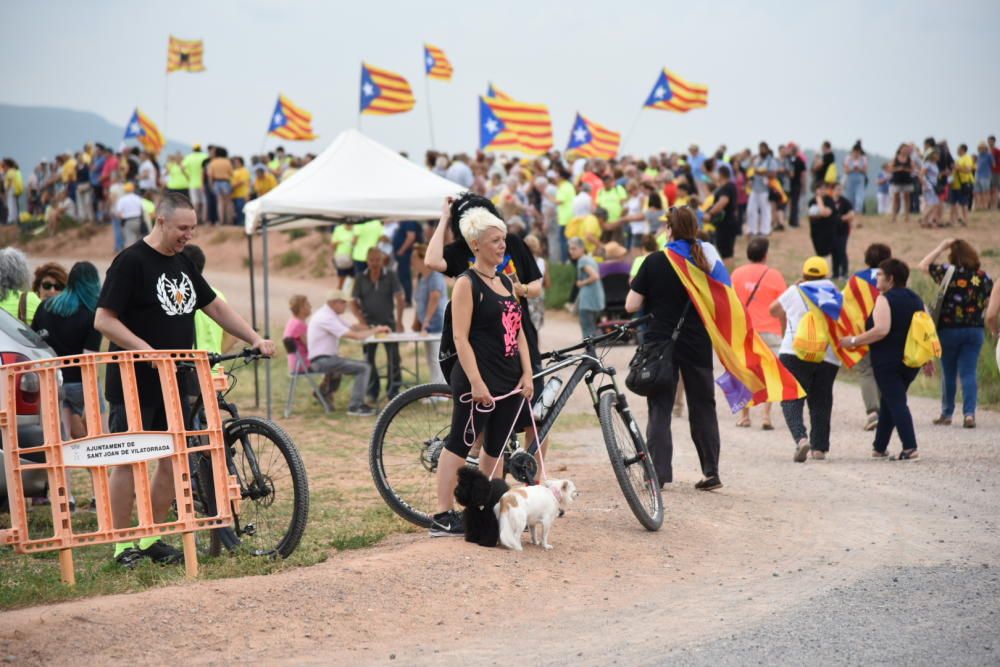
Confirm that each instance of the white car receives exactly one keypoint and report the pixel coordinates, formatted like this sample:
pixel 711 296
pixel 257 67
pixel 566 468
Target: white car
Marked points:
pixel 19 343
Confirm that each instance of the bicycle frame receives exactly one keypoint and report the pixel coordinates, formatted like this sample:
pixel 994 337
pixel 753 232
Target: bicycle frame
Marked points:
pixel 588 367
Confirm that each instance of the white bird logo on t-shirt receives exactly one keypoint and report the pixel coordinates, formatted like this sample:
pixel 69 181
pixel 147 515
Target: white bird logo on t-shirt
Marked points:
pixel 177 297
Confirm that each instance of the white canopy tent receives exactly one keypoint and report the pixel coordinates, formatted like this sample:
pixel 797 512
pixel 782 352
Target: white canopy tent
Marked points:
pixel 353 180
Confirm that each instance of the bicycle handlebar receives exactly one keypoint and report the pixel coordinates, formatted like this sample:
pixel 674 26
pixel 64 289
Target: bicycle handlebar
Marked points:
pixel 247 353
pixel 616 332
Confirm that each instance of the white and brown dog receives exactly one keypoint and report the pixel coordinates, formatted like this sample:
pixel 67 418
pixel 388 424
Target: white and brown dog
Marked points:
pixel 535 507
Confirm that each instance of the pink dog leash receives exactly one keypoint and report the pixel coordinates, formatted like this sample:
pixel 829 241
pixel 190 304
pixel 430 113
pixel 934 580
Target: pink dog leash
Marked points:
pixel 489 407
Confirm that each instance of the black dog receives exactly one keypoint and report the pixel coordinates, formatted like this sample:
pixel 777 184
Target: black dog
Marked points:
pixel 478 494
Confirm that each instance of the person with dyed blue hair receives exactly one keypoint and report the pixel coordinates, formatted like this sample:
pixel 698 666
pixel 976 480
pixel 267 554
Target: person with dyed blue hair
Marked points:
pixel 66 322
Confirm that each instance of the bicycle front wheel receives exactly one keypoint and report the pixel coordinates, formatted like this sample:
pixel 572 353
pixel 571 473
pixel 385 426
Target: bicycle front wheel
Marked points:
pixel 631 461
pixel 409 437
pixel 273 485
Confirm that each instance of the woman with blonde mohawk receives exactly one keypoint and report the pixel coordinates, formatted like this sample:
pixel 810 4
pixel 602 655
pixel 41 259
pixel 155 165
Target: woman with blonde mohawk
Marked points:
pixel 493 375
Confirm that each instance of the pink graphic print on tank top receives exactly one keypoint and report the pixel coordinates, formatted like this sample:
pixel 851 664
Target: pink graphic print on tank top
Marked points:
pixel 511 320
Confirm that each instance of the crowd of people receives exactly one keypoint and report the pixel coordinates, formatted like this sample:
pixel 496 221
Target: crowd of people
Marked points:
pixel 499 241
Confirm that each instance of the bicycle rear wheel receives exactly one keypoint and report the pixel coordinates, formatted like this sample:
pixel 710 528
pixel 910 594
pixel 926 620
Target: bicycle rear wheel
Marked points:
pixel 630 460
pixel 275 503
pixel 409 437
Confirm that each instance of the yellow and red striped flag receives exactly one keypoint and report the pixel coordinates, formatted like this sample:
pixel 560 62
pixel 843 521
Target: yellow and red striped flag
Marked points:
pixel 590 139
pixel 672 93
pixel 751 367
pixel 141 128
pixel 436 63
pixel 384 92
pixel 291 122
pixel 185 55
pixel 493 91
pixel 859 293
pixel 508 125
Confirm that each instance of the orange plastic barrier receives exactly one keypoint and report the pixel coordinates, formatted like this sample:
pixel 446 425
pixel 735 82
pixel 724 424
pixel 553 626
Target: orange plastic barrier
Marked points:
pixel 99 451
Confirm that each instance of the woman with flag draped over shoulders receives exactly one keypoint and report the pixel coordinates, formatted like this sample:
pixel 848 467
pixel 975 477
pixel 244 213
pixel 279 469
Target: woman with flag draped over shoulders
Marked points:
pixel 660 290
pixel 806 311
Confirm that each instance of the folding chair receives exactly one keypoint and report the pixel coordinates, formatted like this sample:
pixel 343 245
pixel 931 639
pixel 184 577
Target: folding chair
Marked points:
pixel 301 369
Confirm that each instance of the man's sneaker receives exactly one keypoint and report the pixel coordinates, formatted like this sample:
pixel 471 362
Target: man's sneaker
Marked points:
pixel 801 451
pixel 162 553
pixel 361 411
pixel 447 524
pixel 129 558
pixel 818 454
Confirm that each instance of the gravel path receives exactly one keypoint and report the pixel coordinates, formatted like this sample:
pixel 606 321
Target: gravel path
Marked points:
pixel 846 561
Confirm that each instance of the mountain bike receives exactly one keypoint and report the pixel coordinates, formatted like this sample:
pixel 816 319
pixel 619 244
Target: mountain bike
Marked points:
pixel 274 489
pixel 413 428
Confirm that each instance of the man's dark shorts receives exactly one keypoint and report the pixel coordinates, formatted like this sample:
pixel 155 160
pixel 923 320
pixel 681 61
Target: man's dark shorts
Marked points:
pixel 154 418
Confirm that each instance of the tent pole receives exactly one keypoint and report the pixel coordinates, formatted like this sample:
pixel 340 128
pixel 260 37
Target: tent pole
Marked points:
pixel 267 317
pixel 253 321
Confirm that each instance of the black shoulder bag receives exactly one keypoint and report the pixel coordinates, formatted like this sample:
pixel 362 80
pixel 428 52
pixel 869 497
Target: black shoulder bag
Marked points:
pixel 651 370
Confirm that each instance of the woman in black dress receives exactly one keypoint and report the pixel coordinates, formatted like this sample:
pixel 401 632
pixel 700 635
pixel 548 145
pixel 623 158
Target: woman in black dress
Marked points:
pixel 493 361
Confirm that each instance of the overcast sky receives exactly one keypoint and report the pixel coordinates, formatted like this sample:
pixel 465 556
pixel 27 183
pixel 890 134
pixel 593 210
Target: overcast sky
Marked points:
pixel 881 70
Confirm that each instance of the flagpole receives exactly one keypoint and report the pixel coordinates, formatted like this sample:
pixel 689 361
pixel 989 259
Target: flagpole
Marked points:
pixel 631 129
pixel 166 117
pixel 430 118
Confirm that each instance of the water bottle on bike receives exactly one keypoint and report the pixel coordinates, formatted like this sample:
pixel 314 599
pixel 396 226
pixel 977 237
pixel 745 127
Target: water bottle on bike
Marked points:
pixel 549 393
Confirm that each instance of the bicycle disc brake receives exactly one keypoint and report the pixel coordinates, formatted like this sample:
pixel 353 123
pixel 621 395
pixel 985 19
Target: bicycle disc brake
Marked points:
pixel 431 452
pixel 523 467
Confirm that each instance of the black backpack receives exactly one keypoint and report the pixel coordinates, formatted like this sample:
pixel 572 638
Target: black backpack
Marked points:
pixel 448 355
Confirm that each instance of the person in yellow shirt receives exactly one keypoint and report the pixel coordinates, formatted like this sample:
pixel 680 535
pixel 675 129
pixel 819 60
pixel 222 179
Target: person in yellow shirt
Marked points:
pixel 193 163
pixel 15 279
pixel 264 181
pixel 587 228
pixel 343 243
pixel 241 189
pixel 177 179
pixel 13 185
pixel 366 236
pixel 960 188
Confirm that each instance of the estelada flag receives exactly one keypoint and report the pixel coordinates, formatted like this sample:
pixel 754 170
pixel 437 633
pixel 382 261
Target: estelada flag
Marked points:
pixel 290 121
pixel 590 139
pixel 436 63
pixel 509 125
pixel 384 92
pixel 672 93
pixel 751 367
pixel 859 294
pixel 493 91
pixel 145 131
pixel 825 299
pixel 186 55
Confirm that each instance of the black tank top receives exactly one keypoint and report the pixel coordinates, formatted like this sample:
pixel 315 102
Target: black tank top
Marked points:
pixel 903 303
pixel 493 332
pixel 903 177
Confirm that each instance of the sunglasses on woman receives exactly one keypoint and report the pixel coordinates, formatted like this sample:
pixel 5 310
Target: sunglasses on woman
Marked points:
pixel 55 286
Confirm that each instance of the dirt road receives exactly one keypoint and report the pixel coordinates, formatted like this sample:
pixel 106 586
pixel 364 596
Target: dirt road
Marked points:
pixel 850 560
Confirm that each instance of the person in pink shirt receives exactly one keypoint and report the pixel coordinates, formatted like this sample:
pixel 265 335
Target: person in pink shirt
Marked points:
pixel 297 328
pixel 757 285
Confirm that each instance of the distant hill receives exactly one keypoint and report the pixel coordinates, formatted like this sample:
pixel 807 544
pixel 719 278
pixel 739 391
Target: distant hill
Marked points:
pixel 29 134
